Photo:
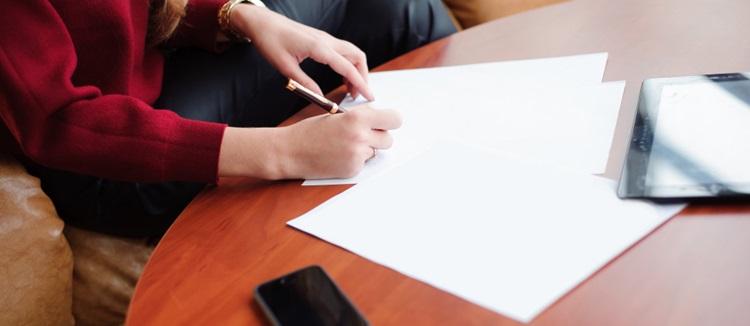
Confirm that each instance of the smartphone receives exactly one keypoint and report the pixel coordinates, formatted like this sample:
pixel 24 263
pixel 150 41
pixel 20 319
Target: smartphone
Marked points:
pixel 307 297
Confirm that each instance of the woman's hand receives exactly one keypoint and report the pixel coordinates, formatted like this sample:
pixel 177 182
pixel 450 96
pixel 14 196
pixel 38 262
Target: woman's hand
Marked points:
pixel 321 147
pixel 285 43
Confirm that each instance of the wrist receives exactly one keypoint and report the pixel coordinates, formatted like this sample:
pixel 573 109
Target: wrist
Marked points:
pixel 250 152
pixel 230 22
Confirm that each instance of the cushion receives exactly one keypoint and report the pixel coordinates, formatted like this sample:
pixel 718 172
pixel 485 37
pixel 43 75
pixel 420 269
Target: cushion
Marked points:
pixel 36 264
pixel 106 271
pixel 474 12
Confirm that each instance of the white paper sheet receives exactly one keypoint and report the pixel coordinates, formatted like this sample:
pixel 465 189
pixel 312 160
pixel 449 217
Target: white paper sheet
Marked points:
pixel 506 233
pixel 552 109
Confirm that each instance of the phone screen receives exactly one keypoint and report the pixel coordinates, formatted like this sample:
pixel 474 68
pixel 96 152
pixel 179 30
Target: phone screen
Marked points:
pixel 307 297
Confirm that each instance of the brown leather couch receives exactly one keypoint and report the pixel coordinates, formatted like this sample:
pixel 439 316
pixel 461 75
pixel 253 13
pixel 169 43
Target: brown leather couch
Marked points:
pixel 468 13
pixel 51 274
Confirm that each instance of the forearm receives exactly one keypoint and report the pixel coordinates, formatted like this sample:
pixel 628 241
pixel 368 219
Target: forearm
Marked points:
pixel 250 152
pixel 325 146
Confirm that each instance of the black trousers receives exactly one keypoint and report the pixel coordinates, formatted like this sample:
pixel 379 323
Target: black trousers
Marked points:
pixel 240 88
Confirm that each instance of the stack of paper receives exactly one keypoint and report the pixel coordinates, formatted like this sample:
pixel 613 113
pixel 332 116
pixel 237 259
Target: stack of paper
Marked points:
pixel 553 109
pixel 487 192
pixel 506 233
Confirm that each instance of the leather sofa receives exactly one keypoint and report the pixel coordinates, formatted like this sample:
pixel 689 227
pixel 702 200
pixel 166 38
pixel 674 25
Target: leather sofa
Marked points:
pixel 468 13
pixel 52 274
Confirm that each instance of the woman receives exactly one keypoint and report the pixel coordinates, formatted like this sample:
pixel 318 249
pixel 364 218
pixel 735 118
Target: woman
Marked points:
pixel 125 110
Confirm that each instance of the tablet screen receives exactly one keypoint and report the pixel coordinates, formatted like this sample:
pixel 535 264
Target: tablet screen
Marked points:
pixel 690 139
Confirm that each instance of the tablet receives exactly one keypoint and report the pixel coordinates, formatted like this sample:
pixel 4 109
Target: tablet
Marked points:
pixel 690 140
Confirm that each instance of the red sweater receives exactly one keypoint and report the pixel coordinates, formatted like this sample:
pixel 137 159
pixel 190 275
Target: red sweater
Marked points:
pixel 77 83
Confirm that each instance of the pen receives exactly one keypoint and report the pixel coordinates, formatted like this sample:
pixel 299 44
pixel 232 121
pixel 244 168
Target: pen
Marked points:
pixel 316 99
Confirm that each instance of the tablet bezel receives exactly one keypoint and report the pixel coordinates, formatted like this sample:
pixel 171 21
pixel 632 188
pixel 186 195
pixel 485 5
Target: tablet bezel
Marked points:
pixel 633 181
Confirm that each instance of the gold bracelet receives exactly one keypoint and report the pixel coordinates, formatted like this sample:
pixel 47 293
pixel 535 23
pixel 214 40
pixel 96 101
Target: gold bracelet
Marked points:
pixel 226 11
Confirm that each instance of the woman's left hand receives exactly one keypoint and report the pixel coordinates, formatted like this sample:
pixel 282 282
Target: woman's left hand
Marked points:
pixel 285 43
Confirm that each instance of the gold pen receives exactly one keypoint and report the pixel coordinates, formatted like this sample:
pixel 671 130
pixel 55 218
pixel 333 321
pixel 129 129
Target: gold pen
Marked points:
pixel 326 104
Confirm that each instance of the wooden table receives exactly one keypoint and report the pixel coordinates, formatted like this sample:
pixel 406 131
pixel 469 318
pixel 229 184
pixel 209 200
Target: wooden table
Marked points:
pixel 694 270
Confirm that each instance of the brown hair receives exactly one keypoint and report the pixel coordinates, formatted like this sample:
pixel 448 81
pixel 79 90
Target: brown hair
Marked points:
pixel 164 17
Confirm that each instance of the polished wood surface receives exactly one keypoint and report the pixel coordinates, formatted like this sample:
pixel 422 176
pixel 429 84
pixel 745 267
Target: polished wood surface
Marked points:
pixel 693 270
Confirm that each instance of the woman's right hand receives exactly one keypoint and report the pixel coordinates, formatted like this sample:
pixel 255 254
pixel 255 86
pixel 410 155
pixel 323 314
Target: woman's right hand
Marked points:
pixel 321 147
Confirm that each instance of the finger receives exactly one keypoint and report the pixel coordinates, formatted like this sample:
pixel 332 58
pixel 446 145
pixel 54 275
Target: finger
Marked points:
pixel 369 152
pixel 381 139
pixel 291 69
pixel 379 119
pixel 354 55
pixel 350 88
pixel 359 60
pixel 351 74
pixel 343 67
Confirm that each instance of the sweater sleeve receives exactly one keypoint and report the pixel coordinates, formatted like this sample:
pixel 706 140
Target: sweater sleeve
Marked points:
pixel 78 128
pixel 200 26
